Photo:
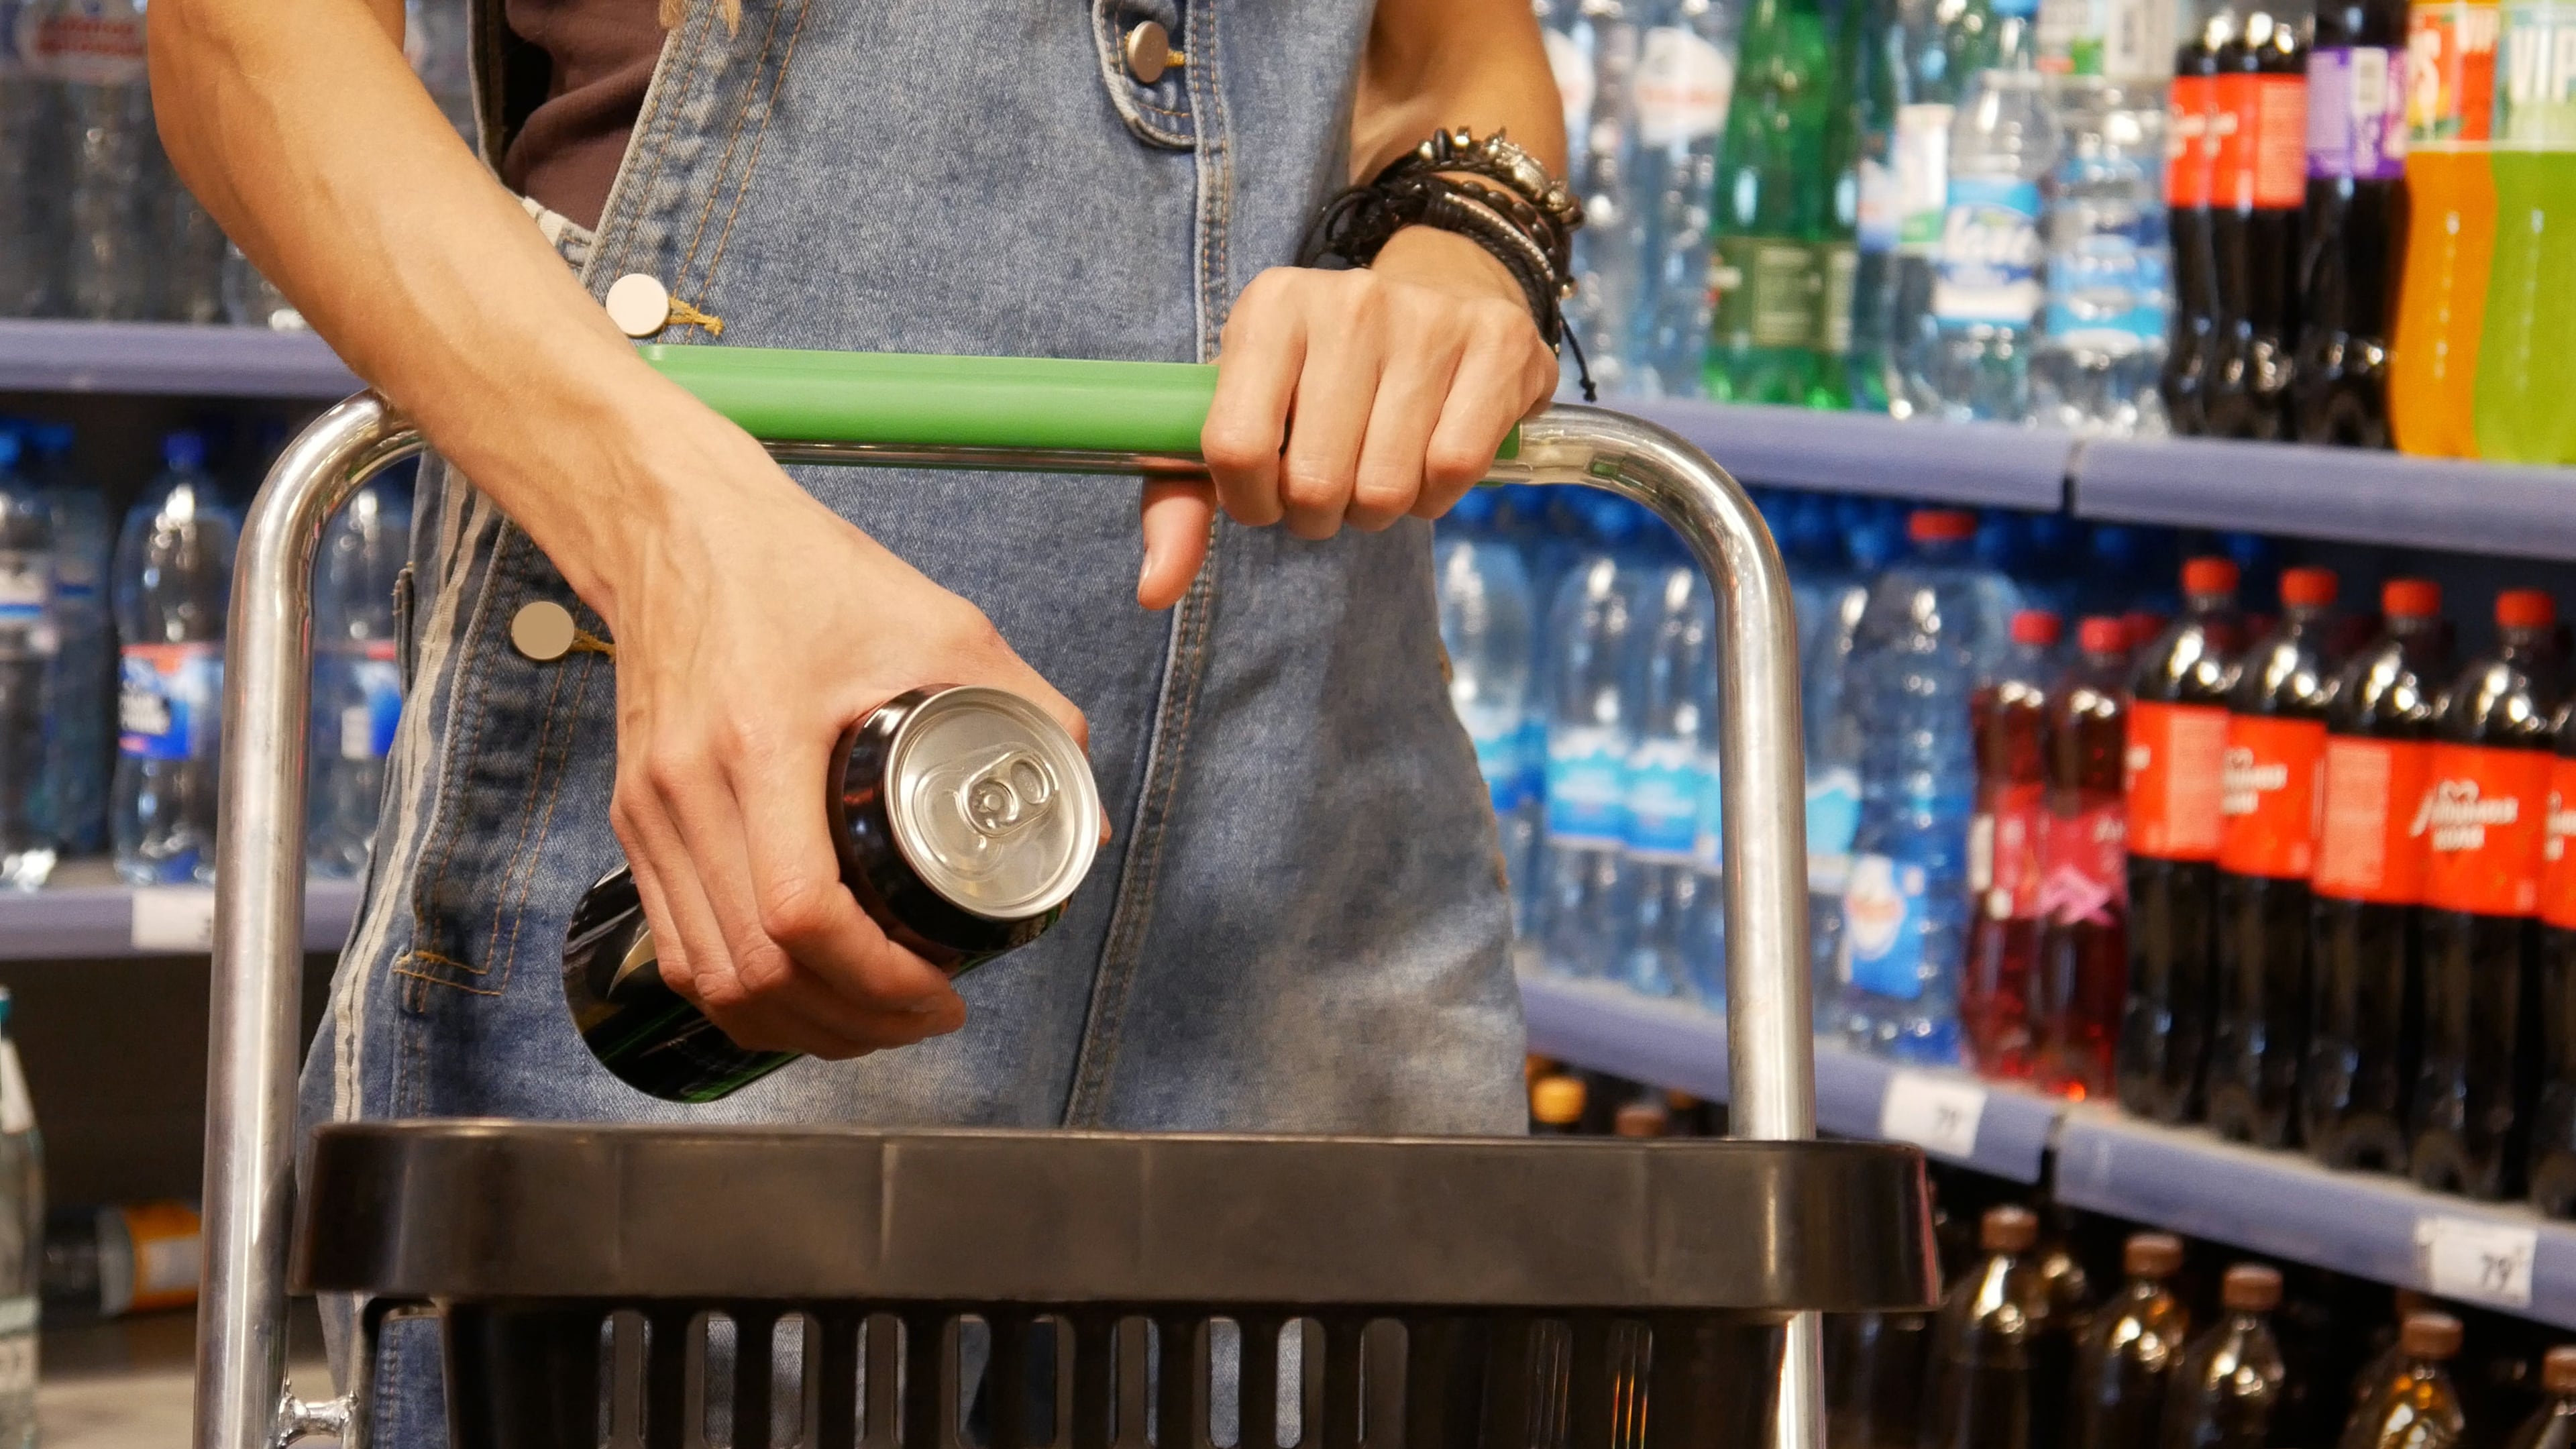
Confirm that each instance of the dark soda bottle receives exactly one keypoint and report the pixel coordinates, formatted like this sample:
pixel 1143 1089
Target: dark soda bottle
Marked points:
pixel 2483 817
pixel 2124 1362
pixel 2554 1425
pixel 2191 156
pixel 2084 868
pixel 2177 740
pixel 2416 1406
pixel 2276 734
pixel 2364 939
pixel 1556 1106
pixel 2258 184
pixel 2229 1384
pixel 2356 221
pixel 2553 1113
pixel 2001 1348
pixel 1874 1379
pixel 2009 717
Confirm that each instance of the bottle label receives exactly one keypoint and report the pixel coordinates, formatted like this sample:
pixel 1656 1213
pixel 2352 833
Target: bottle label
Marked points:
pixel 2085 862
pixel 1839 264
pixel 1989 265
pixel 2370 842
pixel 27 598
pixel 1708 845
pixel 1498 759
pixel 168 700
pixel 2484 824
pixel 2137 42
pixel 1663 802
pixel 2450 72
pixel 2174 756
pixel 2539 63
pixel 2107 293
pixel 17 1109
pixel 2356 113
pixel 1920 153
pixel 1587 789
pixel 1573 72
pixel 1766 289
pixel 1882 927
pixel 2267 796
pixel 2558 858
pixel 2067 39
pixel 2191 141
pixel 18 1346
pixel 87 42
pixel 367 728
pixel 1878 206
pixel 1682 86
pixel 2260 123
pixel 2003 854
pixel 164 1236
pixel 1833 821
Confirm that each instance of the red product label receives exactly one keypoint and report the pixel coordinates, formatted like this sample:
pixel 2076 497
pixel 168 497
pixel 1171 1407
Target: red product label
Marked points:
pixel 2173 760
pixel 2259 124
pixel 2483 826
pixel 2558 859
pixel 2190 148
pixel 2267 796
pixel 2370 839
pixel 2450 71
pixel 2085 862
pixel 2003 854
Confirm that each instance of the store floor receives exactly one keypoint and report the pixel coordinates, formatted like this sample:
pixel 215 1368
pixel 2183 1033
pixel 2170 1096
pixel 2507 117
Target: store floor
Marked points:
pixel 127 1384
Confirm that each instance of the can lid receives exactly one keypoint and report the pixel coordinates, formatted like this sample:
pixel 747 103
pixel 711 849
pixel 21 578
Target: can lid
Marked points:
pixel 2525 609
pixel 2307 588
pixel 1940 525
pixel 1557 1101
pixel 2151 1255
pixel 2429 1335
pixel 2008 1229
pixel 1640 1119
pixel 2103 635
pixel 2410 598
pixel 2036 626
pixel 992 802
pixel 2208 575
pixel 2558 1369
pixel 2251 1288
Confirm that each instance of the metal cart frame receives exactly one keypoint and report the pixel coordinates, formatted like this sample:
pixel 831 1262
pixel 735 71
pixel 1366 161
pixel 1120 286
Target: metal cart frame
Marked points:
pixel 242 1400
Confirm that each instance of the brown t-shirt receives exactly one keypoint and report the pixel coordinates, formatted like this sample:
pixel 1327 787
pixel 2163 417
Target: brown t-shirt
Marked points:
pixel 602 54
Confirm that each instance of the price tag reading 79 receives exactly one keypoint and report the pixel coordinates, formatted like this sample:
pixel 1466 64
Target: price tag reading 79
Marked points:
pixel 2484 1262
pixel 1936 1113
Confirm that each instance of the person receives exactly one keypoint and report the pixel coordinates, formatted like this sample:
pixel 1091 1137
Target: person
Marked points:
pixel 1297 923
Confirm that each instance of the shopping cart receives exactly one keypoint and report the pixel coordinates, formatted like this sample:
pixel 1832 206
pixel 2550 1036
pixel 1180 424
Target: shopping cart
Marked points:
pixel 1448 1293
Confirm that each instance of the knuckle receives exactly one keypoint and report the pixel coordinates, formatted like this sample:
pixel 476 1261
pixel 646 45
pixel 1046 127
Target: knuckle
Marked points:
pixel 1384 488
pixel 797 910
pixel 668 770
pixel 1233 446
pixel 1451 465
pixel 1309 487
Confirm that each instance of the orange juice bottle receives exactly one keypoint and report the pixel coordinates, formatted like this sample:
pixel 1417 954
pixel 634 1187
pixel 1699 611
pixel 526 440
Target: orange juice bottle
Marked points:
pixel 2451 209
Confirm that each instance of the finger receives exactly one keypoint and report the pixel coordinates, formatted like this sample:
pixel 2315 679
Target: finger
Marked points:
pixel 1174 520
pixel 1335 395
pixel 1390 476
pixel 1491 392
pixel 1256 379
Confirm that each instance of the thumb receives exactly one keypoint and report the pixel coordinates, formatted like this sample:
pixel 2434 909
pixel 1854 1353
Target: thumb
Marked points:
pixel 1174 519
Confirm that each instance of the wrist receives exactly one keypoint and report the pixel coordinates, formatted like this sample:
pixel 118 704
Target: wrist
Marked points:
pixel 1430 257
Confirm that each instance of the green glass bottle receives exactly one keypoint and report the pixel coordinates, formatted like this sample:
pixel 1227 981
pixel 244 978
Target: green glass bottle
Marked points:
pixel 1838 251
pixel 1772 209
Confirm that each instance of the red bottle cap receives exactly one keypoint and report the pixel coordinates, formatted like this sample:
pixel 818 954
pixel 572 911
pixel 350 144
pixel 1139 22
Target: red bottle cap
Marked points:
pixel 2099 635
pixel 2205 576
pixel 2143 626
pixel 2525 609
pixel 2307 588
pixel 2035 626
pixel 2410 598
pixel 1941 525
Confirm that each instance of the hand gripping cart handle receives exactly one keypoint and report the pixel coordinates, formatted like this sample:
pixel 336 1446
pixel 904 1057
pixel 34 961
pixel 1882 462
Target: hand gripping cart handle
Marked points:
pixel 1544 1290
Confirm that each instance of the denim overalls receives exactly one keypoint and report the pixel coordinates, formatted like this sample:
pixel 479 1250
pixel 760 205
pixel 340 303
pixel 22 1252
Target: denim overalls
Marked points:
pixel 1299 923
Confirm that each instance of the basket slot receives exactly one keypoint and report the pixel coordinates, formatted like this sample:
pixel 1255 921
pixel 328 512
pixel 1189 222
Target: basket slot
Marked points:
pixel 1182 1350
pixel 522 1378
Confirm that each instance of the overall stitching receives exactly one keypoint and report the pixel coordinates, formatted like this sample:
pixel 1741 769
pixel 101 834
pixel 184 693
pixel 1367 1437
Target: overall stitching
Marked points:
pixel 1130 99
pixel 751 163
pixel 649 143
pixel 733 139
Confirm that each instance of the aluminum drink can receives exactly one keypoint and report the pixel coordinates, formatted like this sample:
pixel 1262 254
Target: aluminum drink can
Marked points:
pixel 964 819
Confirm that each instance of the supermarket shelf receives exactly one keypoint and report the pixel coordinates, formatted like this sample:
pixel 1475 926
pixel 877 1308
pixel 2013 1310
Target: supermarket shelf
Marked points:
pixel 1985 464
pixel 165 357
pixel 1675 1044
pixel 2335 493
pixel 86 913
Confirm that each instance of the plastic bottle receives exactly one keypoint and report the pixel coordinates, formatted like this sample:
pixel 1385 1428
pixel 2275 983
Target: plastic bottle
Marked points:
pixel 1605 254
pixel 2415 1407
pixel 2524 375
pixel 357 681
pixel 2084 879
pixel 2276 737
pixel 1667 786
pixel 113 173
pixel 1974 363
pixel 2102 339
pixel 1835 732
pixel 189 266
pixel 1585 912
pixel 251 300
pixel 2259 184
pixel 32 245
pixel 2229 1384
pixel 2002 1350
pixel 2553 1125
pixel 1773 201
pixel 1937 49
pixel 2356 221
pixel 84 683
pixel 2177 746
pixel 1685 75
pixel 2485 833
pixel 1488 627
pixel 1998 1016
pixel 2450 227
pixel 2125 1359
pixel 2365 941
pixel 2191 179
pixel 107 1262
pixel 2553 1425
pixel 27 648
pixel 1874 1372
pixel 1915 662
pixel 173 582
pixel 1870 372
pixel 1838 244
pixel 22 1237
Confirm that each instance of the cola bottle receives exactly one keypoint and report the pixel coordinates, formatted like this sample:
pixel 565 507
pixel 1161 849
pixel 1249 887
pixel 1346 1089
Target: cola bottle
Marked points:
pixel 2177 740
pixel 2009 717
pixel 2553 1113
pixel 2356 221
pixel 2001 1347
pixel 2415 1407
pixel 2124 1363
pixel 2084 871
pixel 2483 817
pixel 2190 165
pixel 2258 187
pixel 1874 1379
pixel 2364 939
pixel 2553 1425
pixel 2229 1384
pixel 2276 733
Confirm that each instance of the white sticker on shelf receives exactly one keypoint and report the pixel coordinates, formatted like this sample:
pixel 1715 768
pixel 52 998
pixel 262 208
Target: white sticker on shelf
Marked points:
pixel 174 918
pixel 1936 1113
pixel 2476 1259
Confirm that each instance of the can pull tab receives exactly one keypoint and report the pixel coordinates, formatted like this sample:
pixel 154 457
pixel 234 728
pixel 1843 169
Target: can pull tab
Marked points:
pixel 1009 795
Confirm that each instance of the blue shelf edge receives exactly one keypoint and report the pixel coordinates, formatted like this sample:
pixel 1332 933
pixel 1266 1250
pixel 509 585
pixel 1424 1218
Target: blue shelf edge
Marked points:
pixel 1985 464
pixel 91 922
pixel 168 358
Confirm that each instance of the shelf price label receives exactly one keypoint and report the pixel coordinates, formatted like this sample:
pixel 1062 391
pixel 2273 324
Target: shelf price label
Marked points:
pixel 174 919
pixel 1936 1113
pixel 2476 1259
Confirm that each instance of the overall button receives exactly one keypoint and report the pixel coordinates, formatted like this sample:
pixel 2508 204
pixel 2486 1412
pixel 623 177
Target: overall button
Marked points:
pixel 543 631
pixel 639 305
pixel 1149 52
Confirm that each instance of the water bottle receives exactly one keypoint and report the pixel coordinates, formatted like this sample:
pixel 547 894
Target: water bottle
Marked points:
pixel 173 579
pixel 26 663
pixel 1605 256
pixel 22 1241
pixel 1835 729
pixel 192 251
pixel 31 146
pixel 357 685
pixel 1915 664
pixel 1593 704
pixel 1488 625
pixel 84 685
pixel 1666 778
pixel 434 41
pixel 1934 47
pixel 251 300
pixel 112 166
pixel 2110 289
pixel 1685 75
